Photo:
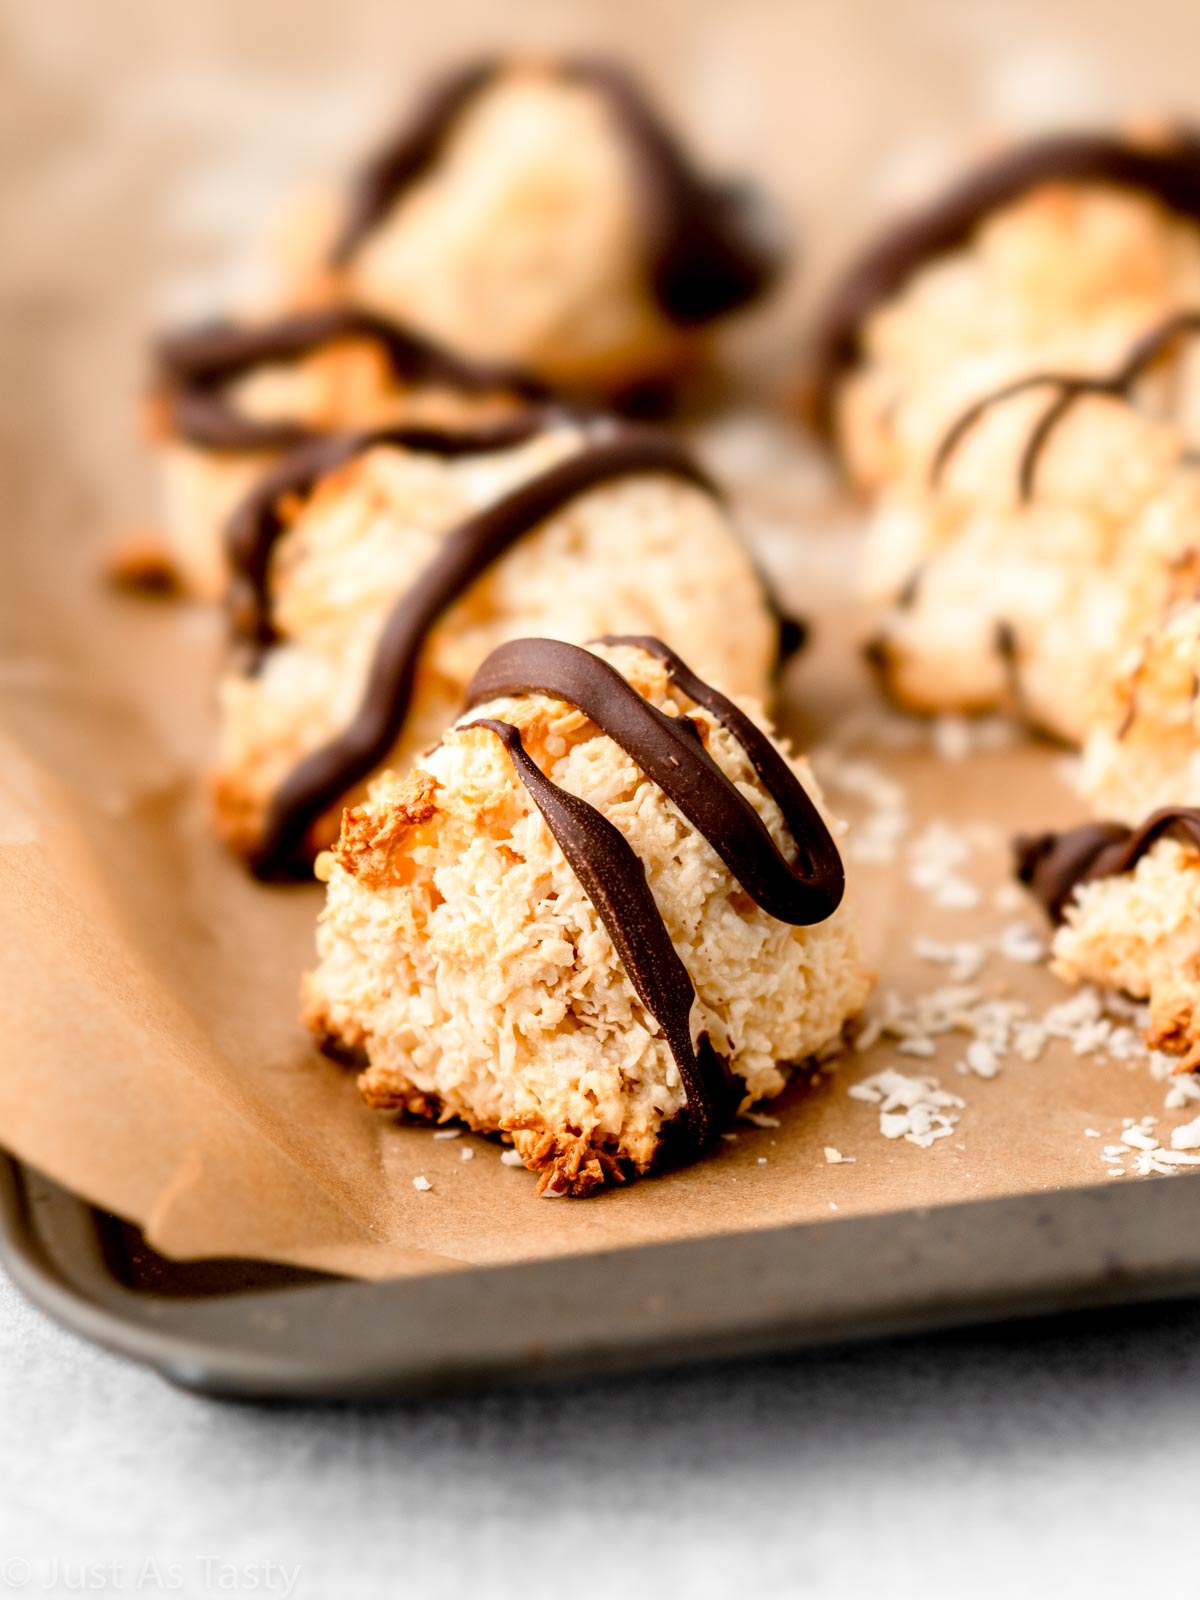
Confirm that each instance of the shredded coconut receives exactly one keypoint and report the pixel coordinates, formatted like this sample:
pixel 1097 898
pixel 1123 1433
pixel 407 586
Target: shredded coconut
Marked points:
pixel 879 831
pixel 1018 942
pixel 916 1109
pixel 963 958
pixel 951 736
pixel 934 859
pixel 980 1059
pixel 1140 1144
pixel 1182 1091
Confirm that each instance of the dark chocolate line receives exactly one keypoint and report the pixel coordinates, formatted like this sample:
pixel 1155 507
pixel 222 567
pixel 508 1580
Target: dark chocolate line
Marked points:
pixel 705 256
pixel 1072 386
pixel 818 868
pixel 1008 649
pixel 195 366
pixel 878 654
pixel 1170 175
pixel 328 773
pixel 260 520
pixel 614 880
pixel 706 249
pixel 1053 865
pixel 795 633
pixel 906 598
pixel 409 154
pixel 669 752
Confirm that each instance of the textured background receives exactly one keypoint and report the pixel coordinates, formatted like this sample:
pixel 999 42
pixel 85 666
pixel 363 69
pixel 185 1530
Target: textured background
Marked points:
pixel 1049 1460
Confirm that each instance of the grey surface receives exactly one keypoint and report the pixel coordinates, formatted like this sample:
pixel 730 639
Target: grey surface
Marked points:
pixel 1055 1458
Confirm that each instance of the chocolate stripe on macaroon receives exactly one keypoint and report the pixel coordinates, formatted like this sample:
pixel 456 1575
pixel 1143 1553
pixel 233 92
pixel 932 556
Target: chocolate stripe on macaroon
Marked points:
pixel 196 366
pixel 668 750
pixel 261 519
pixel 1053 865
pixel 1150 348
pixel 1169 174
pixel 324 777
pixel 707 250
pixel 614 880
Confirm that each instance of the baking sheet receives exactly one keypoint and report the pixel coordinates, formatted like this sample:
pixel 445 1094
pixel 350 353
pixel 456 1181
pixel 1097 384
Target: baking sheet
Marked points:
pixel 242 1330
pixel 151 1058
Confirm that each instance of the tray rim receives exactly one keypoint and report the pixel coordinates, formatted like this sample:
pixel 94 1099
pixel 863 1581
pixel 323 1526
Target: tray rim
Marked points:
pixel 633 1309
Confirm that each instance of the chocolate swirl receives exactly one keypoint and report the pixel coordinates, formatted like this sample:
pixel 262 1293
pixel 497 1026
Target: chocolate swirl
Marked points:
pixel 1072 387
pixel 196 366
pixel 705 251
pixel 670 752
pixel 1170 175
pixel 320 780
pixel 1053 865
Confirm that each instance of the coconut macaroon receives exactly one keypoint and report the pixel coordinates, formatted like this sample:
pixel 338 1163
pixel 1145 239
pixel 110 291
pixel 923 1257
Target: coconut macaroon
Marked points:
pixel 1056 251
pixel 228 399
pixel 601 917
pixel 1126 903
pixel 1142 750
pixel 375 573
pixel 1040 541
pixel 540 213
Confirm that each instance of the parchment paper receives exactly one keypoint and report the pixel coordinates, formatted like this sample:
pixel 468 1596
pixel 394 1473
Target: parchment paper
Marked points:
pixel 151 1059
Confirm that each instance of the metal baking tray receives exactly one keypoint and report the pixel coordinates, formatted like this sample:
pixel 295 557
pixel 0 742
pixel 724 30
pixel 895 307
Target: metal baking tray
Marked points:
pixel 250 1330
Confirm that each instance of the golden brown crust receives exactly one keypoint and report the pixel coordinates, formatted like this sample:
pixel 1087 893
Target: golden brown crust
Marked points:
pixel 368 840
pixel 390 1092
pixel 1174 1027
pixel 142 562
pixel 345 1040
pixel 236 812
pixel 568 1162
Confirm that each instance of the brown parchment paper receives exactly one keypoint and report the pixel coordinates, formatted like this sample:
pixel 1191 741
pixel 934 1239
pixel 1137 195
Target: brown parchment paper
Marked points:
pixel 149 1053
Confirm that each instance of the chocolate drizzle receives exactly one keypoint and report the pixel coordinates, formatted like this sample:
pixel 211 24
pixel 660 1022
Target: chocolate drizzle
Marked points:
pixel 261 519
pixel 795 632
pixel 320 780
pixel 1071 386
pixel 669 751
pixel 1170 175
pixel 705 255
pixel 409 155
pixel 1053 865
pixel 196 366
